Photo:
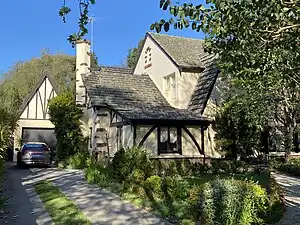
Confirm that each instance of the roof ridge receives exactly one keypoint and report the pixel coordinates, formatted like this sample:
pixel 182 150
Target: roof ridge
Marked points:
pixel 175 36
pixel 116 69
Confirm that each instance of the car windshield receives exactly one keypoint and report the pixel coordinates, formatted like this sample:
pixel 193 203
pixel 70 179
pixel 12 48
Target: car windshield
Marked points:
pixel 34 147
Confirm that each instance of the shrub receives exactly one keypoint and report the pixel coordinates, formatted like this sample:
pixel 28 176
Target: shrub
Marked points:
pixel 276 206
pixel 200 169
pixel 97 174
pixel 215 166
pixel 292 167
pixel 126 161
pixel 230 202
pixel 78 161
pixel 153 185
pixel 65 115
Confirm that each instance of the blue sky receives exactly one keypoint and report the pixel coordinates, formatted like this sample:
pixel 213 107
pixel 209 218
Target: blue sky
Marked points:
pixel 28 26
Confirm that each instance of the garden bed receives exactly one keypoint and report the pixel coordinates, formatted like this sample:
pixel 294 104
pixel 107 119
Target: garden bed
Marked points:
pixel 176 193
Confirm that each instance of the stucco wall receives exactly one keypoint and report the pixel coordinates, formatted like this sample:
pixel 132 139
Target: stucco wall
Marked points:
pixel 187 82
pixel 161 66
pixel 28 124
pixel 39 102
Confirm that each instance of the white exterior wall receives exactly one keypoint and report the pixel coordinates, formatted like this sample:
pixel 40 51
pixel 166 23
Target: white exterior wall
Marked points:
pixel 37 108
pixel 187 82
pixel 161 66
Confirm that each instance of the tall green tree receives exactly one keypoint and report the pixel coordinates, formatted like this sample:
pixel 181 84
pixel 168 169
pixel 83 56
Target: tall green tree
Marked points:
pixel 65 115
pixel 18 82
pixel 133 54
pixel 257 44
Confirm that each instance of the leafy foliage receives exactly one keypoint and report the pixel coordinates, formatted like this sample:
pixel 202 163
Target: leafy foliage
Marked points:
pixel 65 115
pixel 292 167
pixel 257 45
pixel 232 202
pixel 20 80
pixel 126 161
pixel 83 21
pixel 133 54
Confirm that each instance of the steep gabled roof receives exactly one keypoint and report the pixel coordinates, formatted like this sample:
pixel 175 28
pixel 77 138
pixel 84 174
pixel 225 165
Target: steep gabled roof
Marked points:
pixel 205 85
pixel 184 52
pixel 135 97
pixel 44 75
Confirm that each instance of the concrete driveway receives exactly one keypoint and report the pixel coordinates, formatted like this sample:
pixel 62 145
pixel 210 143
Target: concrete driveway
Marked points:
pixel 99 206
pixel 24 207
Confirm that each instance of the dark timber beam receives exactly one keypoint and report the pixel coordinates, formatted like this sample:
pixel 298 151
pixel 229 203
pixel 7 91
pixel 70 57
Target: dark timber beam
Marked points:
pixel 202 142
pixel 193 139
pixel 179 140
pixel 119 124
pixel 146 136
pixel 134 135
pixel 158 140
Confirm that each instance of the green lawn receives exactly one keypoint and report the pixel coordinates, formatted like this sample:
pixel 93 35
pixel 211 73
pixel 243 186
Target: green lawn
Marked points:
pixel 62 210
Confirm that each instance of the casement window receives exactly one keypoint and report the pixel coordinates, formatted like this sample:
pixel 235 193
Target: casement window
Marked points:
pixel 168 140
pixel 169 84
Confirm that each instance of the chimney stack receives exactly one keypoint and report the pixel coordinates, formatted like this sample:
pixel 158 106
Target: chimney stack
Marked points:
pixel 83 64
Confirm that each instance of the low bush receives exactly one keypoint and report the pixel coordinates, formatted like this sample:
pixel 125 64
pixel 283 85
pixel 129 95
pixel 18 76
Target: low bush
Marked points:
pixel 230 202
pixel 126 161
pixel 153 185
pixel 97 174
pixel 78 161
pixel 292 167
pixel 276 206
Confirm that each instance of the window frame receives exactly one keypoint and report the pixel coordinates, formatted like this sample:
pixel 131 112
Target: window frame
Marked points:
pixel 170 86
pixel 169 150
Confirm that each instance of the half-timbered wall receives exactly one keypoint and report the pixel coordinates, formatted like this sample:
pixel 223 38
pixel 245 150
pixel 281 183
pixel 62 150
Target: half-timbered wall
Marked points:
pixel 37 107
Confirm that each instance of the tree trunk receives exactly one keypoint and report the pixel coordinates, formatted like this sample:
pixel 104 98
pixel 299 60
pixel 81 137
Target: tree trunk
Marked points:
pixel 289 138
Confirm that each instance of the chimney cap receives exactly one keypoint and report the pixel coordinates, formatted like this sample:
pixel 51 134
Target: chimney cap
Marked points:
pixel 83 41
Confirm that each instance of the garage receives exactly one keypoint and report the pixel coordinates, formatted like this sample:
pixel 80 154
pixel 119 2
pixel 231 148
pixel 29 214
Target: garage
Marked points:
pixel 34 124
pixel 45 135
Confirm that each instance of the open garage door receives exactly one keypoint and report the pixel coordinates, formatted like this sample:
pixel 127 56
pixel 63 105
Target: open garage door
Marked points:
pixel 45 135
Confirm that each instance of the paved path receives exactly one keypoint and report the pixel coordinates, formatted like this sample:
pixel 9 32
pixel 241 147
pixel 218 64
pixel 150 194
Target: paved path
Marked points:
pixel 24 206
pixel 100 206
pixel 291 186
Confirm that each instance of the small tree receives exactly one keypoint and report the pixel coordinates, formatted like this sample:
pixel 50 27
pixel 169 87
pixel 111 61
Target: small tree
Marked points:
pixel 65 115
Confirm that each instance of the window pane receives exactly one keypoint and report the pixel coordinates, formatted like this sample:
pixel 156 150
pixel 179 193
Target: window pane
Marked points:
pixel 163 134
pixel 173 134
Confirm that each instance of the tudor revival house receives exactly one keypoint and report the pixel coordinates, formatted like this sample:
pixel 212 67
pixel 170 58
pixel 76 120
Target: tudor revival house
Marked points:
pixel 166 104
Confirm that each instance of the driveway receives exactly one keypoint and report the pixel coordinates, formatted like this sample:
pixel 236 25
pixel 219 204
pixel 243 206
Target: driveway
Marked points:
pixel 291 186
pixel 24 207
pixel 100 206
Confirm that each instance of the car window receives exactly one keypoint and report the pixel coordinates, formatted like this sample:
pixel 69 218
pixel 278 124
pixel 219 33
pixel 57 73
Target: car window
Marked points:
pixel 34 147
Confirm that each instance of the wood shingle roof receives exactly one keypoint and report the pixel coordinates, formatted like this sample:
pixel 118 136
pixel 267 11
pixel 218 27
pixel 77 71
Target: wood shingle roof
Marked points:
pixel 134 96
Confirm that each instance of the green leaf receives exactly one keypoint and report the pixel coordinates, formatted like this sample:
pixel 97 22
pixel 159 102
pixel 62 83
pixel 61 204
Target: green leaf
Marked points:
pixel 166 26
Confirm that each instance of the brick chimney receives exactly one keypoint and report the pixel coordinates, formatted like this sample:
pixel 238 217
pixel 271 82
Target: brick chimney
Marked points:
pixel 83 64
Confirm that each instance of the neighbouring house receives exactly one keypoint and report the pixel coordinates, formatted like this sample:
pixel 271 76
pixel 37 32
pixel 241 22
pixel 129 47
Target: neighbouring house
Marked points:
pixel 166 104
pixel 34 124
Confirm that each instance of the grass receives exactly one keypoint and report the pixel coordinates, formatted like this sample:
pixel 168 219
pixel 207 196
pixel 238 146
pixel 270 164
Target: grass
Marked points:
pixel 61 209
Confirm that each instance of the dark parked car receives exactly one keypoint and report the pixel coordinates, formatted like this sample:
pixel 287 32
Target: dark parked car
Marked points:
pixel 34 153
